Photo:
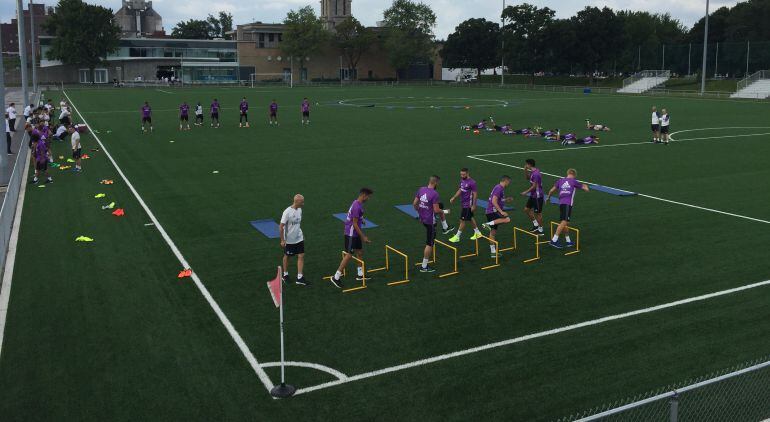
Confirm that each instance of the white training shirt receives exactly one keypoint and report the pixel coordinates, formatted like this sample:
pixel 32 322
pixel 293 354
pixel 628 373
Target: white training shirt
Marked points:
pixel 655 118
pixel 75 140
pixel 199 110
pixel 11 112
pixel 27 111
pixel 291 220
pixel 60 131
pixel 664 120
pixel 64 113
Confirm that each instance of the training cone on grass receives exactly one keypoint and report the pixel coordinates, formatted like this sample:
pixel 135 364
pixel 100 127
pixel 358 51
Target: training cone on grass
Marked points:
pixel 109 206
pixel 106 182
pixel 65 168
pixel 119 212
pixel 99 195
pixel 85 156
pixel 83 239
pixel 185 273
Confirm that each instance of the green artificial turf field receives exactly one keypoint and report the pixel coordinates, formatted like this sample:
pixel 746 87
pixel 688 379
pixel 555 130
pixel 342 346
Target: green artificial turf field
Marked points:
pixel 106 330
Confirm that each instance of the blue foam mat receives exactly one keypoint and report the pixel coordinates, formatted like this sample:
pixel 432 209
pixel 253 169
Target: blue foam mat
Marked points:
pixel 555 200
pixel 267 227
pixel 407 209
pixel 344 216
pixel 612 191
pixel 483 204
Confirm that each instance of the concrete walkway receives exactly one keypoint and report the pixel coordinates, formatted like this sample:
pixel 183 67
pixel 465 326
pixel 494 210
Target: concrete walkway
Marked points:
pixel 7 161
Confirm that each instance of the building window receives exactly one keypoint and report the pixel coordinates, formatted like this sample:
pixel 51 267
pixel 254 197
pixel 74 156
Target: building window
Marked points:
pixel 261 37
pixel 280 37
pixel 84 76
pixel 271 37
pixel 100 76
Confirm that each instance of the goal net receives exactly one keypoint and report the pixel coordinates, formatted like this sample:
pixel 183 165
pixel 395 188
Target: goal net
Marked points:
pixel 257 79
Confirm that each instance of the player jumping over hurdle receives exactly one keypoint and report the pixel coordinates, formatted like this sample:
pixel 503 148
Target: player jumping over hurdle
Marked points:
pixel 496 215
pixel 567 187
pixel 354 236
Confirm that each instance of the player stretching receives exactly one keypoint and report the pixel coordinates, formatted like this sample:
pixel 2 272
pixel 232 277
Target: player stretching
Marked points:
pixel 146 116
pixel 567 186
pixel 426 203
pixel 273 119
pixel 496 215
pixel 199 114
pixel 215 113
pixel 468 195
pixel 596 127
pixel 655 125
pixel 534 207
pixel 184 116
pixel 305 108
pixel 664 126
pixel 244 113
pixel 354 236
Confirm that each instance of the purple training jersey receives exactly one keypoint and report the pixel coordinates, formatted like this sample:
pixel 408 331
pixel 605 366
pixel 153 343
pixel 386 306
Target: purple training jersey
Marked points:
pixel 467 189
pixel 356 211
pixel 499 193
pixel 184 110
pixel 426 197
pixel 536 178
pixel 567 187
pixel 41 151
pixel 146 111
pixel 215 107
pixel 244 106
pixel 305 106
pixel 273 107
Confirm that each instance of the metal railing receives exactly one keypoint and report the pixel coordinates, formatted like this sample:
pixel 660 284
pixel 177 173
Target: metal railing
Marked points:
pixel 739 395
pixel 646 74
pixel 762 74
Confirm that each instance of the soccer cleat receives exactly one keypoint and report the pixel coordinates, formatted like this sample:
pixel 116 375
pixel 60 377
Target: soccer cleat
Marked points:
pixel 569 245
pixel 449 229
pixel 49 180
pixel 302 281
pixel 537 231
pixel 486 227
pixel 286 279
pixel 454 239
pixel 336 281
pixel 494 255
pixel 476 236
pixel 362 278
pixel 427 269
pixel 555 244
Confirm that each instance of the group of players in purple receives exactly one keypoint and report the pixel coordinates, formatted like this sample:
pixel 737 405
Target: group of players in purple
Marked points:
pixel 553 135
pixel 214 108
pixel 429 209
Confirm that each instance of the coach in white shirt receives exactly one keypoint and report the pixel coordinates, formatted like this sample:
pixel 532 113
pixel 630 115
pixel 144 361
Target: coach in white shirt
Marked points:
pixel 292 239
pixel 28 112
pixel 11 111
pixel 8 134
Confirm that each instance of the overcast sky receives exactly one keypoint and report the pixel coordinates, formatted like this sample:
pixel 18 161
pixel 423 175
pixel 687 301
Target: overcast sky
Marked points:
pixel 449 12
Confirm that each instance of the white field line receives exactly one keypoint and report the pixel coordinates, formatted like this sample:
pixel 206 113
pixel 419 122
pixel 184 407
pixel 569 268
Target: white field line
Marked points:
pixel 528 337
pixel 331 371
pixel 165 92
pixel 643 143
pixel 204 291
pixel 10 261
pixel 640 194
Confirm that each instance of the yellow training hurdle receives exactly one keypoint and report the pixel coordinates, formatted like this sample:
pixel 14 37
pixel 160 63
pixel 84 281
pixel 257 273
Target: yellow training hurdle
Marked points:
pixel 451 248
pixel 363 271
pixel 476 251
pixel 389 249
pixel 577 237
pixel 515 244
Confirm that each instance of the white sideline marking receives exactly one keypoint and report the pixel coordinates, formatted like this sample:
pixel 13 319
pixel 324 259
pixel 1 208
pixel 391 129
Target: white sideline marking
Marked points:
pixel 165 92
pixel 640 194
pixel 337 374
pixel 645 142
pixel 10 261
pixel 204 291
pixel 530 337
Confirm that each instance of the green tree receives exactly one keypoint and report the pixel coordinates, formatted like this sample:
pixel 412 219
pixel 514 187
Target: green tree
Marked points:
pixel 226 24
pixel 215 29
pixel 525 28
pixel 600 39
pixel 81 44
pixel 353 40
pixel 193 29
pixel 304 34
pixel 410 33
pixel 474 44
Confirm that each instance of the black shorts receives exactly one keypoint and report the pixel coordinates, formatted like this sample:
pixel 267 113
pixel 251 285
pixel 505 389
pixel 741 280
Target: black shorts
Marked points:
pixel 655 128
pixel 565 212
pixel 147 120
pixel 466 214
pixel 305 114
pixel 184 118
pixel 199 116
pixel 535 204
pixel 76 153
pixel 215 116
pixel 41 165
pixel 65 120
pixel 273 114
pixel 664 129
pixel 352 243
pixel 294 249
pixel 430 234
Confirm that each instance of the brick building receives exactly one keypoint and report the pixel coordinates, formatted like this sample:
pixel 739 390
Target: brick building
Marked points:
pixel 10 31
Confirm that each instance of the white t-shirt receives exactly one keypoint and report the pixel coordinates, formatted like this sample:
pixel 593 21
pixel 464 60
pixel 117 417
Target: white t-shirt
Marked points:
pixel 199 110
pixel 64 113
pixel 27 111
pixel 60 131
pixel 11 112
pixel 655 118
pixel 75 140
pixel 664 120
pixel 62 104
pixel 291 220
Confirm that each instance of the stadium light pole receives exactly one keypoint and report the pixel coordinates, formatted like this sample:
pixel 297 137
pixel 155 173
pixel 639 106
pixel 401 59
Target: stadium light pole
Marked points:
pixel 705 47
pixel 2 73
pixel 748 52
pixel 22 51
pixel 32 46
pixel 502 48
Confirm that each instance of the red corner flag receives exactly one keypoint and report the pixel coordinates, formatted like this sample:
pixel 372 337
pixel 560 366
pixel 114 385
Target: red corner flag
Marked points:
pixel 275 288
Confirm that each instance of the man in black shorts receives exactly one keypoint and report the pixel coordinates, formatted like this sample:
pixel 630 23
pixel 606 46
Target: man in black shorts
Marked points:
pixel 655 126
pixel 354 237
pixel 496 215
pixel 534 194
pixel 664 126
pixel 468 194
pixel 292 239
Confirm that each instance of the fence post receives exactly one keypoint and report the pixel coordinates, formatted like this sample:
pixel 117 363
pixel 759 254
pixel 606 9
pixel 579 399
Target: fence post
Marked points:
pixel 673 415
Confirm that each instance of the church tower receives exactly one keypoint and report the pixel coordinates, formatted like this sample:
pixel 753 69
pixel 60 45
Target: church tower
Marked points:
pixel 334 12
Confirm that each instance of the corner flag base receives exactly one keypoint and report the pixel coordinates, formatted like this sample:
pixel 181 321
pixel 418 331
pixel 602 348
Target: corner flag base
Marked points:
pixel 283 391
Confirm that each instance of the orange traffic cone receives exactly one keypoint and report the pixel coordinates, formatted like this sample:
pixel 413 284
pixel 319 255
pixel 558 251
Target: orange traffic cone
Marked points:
pixel 119 212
